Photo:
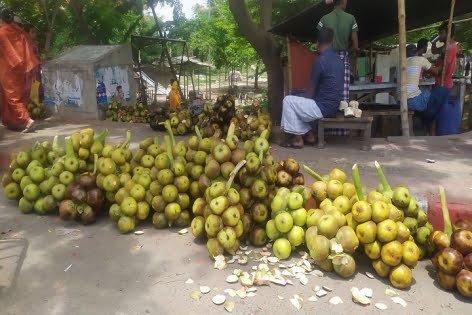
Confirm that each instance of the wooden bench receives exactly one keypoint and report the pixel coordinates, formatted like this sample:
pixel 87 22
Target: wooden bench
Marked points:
pixel 389 112
pixel 364 124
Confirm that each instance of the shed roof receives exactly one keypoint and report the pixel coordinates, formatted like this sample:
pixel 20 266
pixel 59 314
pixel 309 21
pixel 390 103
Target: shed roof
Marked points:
pixel 377 19
pixel 86 54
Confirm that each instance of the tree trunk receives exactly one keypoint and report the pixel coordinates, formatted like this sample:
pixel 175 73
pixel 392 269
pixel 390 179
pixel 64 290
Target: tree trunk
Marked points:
pixel 256 77
pixel 50 22
pixel 77 7
pixel 267 48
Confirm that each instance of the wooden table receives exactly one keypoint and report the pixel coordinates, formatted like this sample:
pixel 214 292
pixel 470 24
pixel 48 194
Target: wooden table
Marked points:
pixel 371 89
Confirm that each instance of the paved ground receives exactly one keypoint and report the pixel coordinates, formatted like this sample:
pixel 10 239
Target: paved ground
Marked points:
pixel 109 273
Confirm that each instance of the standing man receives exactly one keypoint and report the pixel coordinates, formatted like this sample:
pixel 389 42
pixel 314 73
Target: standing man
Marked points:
pixel 451 55
pixel 345 30
pixel 323 95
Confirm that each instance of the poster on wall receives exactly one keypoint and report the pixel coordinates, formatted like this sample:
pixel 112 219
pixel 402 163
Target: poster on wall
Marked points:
pixel 62 89
pixel 112 85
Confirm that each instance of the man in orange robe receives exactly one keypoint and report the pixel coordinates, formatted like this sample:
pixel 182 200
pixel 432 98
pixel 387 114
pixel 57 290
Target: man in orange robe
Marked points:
pixel 17 59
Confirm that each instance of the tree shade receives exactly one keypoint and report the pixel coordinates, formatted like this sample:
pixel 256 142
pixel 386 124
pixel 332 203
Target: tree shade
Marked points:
pixel 377 19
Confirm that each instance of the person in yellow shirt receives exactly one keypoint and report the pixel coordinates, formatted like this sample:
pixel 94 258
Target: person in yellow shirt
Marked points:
pixel 174 95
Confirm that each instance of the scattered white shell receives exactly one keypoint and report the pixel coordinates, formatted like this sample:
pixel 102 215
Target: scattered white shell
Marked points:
pixel 399 300
pixel 238 272
pixel 231 261
pixel 317 288
pixel 241 293
pixel 280 297
pixel 264 249
pixel 204 289
pixel 196 295
pixel 189 281
pixel 381 306
pixel 278 280
pixel 282 266
pixel 366 292
pixel 318 273
pixel 242 248
pixel 369 275
pixel 358 297
pixel 242 260
pixel 229 306
pixel 291 265
pixel 219 299
pixel 304 280
pixel 313 298
pixel 298 269
pixel 232 279
pixel 321 293
pixel 220 262
pixel 335 300
pixel 254 268
pixel 251 294
pixel 267 254
pixel 287 273
pixel 390 292
pixel 246 280
pixel 327 288
pixel 239 252
pixel 269 246
pixel 248 252
pixel 138 232
pixel 289 282
pixel 251 289
pixel 297 301
pixel 263 267
pixel 183 231
pixel 236 257
pixel 230 292
pixel 307 264
pixel 273 260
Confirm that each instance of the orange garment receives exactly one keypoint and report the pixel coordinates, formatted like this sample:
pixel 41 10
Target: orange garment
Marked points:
pixel 17 59
pixel 174 97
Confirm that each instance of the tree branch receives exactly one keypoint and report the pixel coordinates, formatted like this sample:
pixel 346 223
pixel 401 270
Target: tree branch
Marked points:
pixel 266 14
pixel 245 22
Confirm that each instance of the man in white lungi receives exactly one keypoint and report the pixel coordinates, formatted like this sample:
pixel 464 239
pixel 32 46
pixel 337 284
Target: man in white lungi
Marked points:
pixel 322 97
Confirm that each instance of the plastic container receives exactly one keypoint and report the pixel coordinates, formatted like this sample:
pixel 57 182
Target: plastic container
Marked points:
pixel 448 121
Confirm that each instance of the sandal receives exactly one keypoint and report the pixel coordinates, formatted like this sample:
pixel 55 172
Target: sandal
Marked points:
pixel 310 138
pixel 29 127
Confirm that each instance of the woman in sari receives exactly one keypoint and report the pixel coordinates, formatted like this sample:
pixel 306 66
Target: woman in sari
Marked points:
pixel 17 59
pixel 174 95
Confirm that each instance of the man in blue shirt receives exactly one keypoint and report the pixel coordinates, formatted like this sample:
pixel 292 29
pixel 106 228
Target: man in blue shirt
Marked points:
pixel 322 98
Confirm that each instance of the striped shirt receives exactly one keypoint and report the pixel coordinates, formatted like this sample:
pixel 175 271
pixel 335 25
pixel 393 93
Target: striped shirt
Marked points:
pixel 415 66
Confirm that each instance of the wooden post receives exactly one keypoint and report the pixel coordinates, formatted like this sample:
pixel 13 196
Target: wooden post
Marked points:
pixel 403 79
pixel 209 84
pixel 449 31
pixel 289 67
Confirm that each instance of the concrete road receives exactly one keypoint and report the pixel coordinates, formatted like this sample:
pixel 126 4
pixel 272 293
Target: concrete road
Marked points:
pixel 48 266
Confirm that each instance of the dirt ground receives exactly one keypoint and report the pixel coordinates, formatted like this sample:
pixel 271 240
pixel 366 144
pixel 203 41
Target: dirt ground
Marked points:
pixel 48 266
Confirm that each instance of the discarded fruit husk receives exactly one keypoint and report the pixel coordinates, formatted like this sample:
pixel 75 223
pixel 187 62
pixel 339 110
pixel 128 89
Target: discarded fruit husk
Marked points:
pixel 318 273
pixel 219 299
pixel 297 301
pixel 399 300
pixel 358 297
pixel 220 262
pixel 189 281
pixel 205 289
pixel 369 275
pixel 313 299
pixel 336 300
pixel 229 306
pixel 232 279
pixel 327 288
pixel 390 292
pixel 321 293
pixel 366 292
pixel 196 295
pixel 381 306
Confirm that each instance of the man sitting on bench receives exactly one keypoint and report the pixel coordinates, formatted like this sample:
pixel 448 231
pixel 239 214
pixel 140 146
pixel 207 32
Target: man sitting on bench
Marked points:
pixel 322 97
pixel 426 104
